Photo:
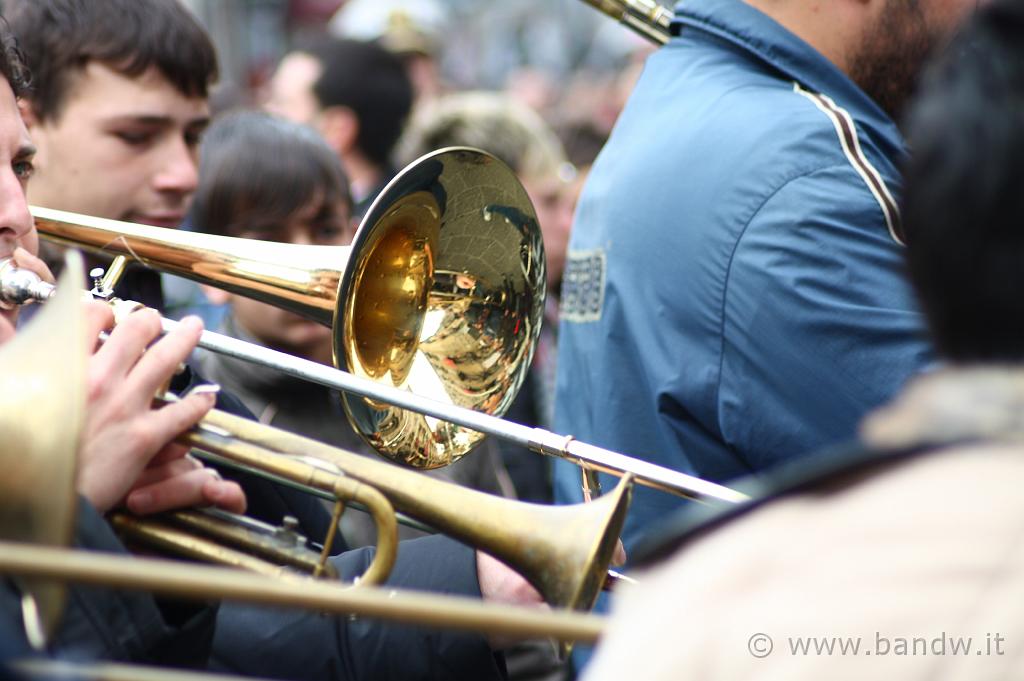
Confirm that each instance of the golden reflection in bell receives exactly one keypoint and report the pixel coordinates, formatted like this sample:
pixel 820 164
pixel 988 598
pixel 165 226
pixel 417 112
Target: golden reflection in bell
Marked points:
pixel 390 288
pixel 481 313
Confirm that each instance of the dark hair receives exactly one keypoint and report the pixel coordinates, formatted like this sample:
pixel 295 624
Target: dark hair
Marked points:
pixel 964 199
pixel 373 83
pixel 257 170
pixel 12 62
pixel 60 37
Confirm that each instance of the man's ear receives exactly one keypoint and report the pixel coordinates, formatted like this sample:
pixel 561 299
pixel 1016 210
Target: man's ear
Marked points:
pixel 28 114
pixel 215 295
pixel 339 126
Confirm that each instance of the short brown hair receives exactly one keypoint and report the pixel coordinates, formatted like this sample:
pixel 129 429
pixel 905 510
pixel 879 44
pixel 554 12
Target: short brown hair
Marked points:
pixel 12 62
pixel 60 37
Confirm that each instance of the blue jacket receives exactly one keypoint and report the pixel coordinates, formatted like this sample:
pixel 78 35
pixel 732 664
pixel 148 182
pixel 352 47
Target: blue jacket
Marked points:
pixel 734 295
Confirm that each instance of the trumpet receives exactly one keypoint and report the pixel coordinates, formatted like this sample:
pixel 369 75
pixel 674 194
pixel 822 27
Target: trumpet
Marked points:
pixel 431 340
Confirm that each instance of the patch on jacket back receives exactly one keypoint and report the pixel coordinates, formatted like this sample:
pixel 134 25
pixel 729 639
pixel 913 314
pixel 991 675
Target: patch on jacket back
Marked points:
pixel 583 286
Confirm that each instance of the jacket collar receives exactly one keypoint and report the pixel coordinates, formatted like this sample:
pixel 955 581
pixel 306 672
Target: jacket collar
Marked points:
pixel 754 32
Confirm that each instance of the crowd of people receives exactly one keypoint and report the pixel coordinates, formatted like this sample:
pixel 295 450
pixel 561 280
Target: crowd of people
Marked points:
pixel 791 268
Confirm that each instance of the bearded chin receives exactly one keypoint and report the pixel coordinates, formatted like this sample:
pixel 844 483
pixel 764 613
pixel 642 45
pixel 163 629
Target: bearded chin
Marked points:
pixel 890 59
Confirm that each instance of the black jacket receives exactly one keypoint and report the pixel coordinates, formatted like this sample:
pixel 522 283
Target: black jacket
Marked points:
pixel 126 626
pixel 301 644
pixel 268 642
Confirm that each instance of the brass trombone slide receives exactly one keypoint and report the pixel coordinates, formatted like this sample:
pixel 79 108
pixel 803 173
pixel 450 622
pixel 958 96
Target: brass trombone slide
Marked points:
pixel 646 17
pixel 537 439
pixel 17 286
pixel 173 578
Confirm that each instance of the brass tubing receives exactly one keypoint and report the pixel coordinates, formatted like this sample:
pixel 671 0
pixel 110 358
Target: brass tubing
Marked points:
pixel 210 457
pixel 270 546
pixel 307 473
pixel 564 551
pixel 648 18
pixel 157 535
pixel 111 671
pixel 204 582
pixel 383 515
pixel 301 279
pixel 332 530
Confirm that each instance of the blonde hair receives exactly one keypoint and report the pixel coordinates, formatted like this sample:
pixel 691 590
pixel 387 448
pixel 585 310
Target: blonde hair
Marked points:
pixel 491 121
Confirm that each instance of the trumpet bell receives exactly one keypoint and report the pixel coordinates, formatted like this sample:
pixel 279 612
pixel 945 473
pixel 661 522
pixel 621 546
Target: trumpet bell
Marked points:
pixel 445 299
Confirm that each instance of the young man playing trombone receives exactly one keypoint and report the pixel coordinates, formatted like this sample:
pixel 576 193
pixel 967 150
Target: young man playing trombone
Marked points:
pixel 127 457
pixel 116 113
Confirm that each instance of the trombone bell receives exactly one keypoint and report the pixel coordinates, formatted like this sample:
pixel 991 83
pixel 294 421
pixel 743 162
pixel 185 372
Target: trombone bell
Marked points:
pixel 564 551
pixel 441 293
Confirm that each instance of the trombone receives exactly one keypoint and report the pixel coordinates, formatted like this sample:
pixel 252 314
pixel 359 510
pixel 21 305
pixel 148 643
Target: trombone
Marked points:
pixel 42 419
pixel 563 551
pixel 431 339
pixel 646 17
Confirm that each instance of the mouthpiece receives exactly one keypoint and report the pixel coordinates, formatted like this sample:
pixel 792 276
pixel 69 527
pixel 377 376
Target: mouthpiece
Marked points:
pixel 19 286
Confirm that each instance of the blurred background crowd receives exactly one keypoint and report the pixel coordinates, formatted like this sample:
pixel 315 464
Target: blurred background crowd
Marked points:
pixel 567 61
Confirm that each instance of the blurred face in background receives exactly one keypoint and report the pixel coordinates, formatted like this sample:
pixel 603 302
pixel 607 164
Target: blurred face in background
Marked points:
pixel 314 224
pixel 290 94
pixel 554 206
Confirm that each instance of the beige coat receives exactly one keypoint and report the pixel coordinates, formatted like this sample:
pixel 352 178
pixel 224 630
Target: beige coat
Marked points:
pixel 909 564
